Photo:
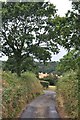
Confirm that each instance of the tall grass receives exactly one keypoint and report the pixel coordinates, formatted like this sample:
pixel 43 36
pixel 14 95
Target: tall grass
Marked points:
pixel 67 94
pixel 18 92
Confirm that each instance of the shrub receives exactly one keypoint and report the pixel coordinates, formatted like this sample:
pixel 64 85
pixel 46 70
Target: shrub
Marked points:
pixel 52 79
pixel 67 90
pixel 17 92
pixel 45 84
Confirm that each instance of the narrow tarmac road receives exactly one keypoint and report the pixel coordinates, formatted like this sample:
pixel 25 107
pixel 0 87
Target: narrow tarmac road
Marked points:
pixel 42 107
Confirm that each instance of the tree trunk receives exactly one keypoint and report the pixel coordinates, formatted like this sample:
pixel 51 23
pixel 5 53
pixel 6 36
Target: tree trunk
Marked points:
pixel 18 66
pixel 18 69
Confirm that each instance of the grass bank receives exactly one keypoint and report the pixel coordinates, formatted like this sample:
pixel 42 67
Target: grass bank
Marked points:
pixel 67 95
pixel 18 92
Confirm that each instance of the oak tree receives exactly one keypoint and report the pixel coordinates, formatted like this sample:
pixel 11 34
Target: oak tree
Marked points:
pixel 27 31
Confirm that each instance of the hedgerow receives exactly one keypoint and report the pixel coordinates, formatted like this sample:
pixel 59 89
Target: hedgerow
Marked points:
pixel 18 92
pixel 52 79
pixel 67 94
pixel 45 84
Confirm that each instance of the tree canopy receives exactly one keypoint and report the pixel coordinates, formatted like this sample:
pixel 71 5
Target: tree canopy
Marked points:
pixel 70 28
pixel 68 62
pixel 27 31
pixel 33 30
pixel 69 32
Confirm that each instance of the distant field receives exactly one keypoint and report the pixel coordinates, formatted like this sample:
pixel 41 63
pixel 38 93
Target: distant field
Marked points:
pixel 52 88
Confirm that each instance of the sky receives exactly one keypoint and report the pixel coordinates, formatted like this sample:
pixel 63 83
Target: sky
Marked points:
pixel 63 6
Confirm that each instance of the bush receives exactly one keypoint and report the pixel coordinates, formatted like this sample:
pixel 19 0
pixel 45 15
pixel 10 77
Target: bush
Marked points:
pixel 17 92
pixel 67 93
pixel 52 79
pixel 45 84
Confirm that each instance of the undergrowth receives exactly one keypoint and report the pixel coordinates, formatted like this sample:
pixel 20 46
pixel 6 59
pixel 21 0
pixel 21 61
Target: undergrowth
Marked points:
pixel 18 92
pixel 67 94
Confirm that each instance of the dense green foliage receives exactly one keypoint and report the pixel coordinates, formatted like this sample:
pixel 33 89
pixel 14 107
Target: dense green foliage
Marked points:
pixel 30 65
pixel 27 65
pixel 52 79
pixel 45 84
pixel 67 94
pixel 69 28
pixel 33 31
pixel 68 85
pixel 17 92
pixel 48 67
pixel 69 61
pixel 0 64
pixel 34 28
pixel 27 31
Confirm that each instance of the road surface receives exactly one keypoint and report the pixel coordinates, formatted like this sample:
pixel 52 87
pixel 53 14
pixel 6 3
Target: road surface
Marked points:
pixel 42 107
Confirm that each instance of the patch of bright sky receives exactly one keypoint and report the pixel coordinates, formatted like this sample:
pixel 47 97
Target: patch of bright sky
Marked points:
pixel 60 55
pixel 63 6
